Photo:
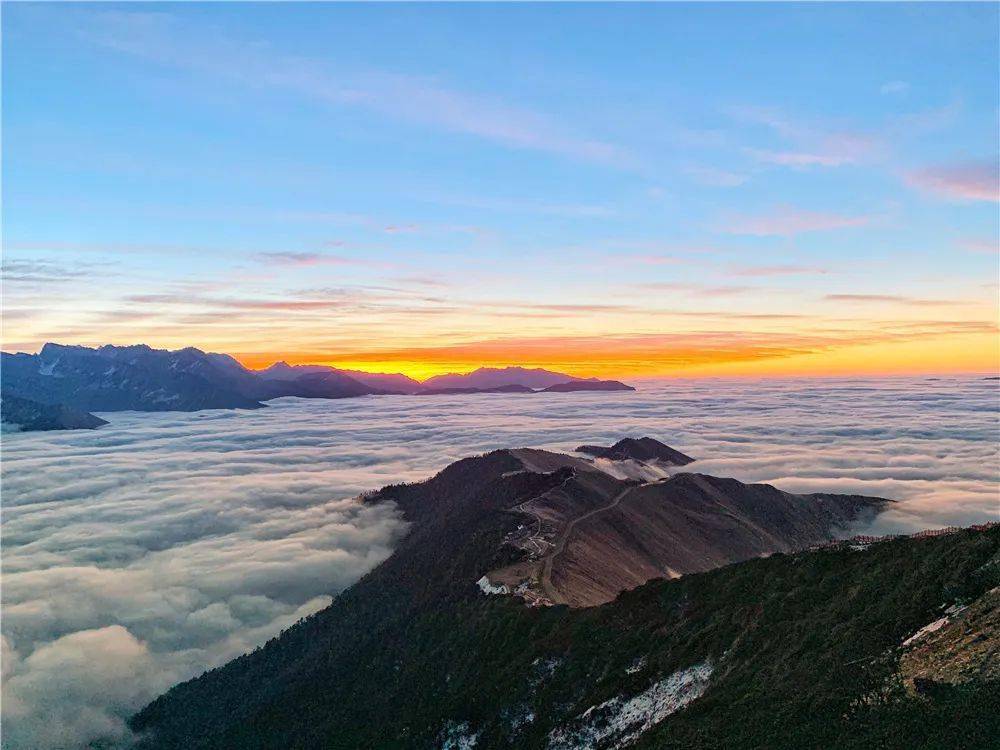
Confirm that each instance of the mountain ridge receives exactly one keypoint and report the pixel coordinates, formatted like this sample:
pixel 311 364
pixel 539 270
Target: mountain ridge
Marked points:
pixel 777 651
pixel 138 377
pixel 24 415
pixel 494 377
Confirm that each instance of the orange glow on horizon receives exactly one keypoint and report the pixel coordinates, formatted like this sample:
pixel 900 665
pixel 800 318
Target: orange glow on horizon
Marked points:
pixel 623 358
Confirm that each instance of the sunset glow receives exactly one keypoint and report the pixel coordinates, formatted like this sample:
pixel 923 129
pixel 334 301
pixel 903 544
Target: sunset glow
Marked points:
pixel 417 209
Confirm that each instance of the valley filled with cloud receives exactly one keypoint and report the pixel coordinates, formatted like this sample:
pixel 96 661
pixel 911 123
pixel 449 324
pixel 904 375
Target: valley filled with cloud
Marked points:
pixel 143 553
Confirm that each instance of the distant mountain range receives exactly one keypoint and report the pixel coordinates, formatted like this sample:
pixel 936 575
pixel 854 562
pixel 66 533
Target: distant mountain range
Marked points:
pixel 491 377
pixel 140 378
pixel 461 638
pixel 378 382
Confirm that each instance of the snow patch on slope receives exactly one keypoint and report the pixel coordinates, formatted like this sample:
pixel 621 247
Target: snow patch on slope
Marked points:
pixel 487 587
pixel 458 736
pixel 618 722
pixel 926 630
pixel 932 627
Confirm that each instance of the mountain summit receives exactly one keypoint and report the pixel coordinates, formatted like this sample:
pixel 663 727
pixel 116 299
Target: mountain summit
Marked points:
pixel 638 449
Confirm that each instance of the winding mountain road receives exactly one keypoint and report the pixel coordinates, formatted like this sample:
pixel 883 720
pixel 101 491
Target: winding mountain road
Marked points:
pixel 545 580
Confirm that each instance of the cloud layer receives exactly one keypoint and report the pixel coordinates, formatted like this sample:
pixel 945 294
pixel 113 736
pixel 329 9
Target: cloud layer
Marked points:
pixel 143 553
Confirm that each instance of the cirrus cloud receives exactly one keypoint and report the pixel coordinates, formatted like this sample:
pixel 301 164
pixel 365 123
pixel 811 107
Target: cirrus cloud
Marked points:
pixel 788 221
pixel 963 181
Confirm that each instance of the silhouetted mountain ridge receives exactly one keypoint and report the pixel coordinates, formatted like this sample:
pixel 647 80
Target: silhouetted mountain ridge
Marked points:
pixel 493 377
pixel 141 378
pixel 25 415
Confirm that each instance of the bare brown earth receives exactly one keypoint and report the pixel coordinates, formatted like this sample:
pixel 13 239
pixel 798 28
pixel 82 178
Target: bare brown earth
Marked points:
pixel 594 535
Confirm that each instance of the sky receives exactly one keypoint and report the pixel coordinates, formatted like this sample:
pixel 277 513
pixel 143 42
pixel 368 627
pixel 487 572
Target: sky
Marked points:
pixel 611 190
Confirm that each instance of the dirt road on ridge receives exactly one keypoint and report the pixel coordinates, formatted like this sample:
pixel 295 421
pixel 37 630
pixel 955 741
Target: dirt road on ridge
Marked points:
pixel 545 580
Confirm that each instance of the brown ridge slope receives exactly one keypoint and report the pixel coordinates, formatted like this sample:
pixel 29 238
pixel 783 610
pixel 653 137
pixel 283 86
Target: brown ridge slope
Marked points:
pixel 691 523
pixel 591 535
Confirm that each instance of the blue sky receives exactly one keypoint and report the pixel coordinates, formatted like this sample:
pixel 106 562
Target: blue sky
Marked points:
pixel 455 184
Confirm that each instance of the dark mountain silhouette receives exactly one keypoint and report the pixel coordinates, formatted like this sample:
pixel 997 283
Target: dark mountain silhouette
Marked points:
pixel 377 381
pixel 123 378
pixel 639 449
pixel 588 385
pixel 140 378
pixel 492 377
pixel 116 378
pixel 457 391
pixel 389 382
pixel 285 371
pixel 22 414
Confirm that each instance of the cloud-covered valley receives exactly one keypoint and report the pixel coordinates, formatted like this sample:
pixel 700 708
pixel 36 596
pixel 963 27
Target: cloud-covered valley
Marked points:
pixel 161 545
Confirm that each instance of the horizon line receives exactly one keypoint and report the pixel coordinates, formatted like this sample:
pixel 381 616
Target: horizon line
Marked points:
pixel 424 370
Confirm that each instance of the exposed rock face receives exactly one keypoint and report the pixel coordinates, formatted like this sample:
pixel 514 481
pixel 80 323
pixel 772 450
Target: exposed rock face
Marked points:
pixel 24 415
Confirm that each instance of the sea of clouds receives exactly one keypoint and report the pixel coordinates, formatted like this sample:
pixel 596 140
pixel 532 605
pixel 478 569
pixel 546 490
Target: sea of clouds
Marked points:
pixel 161 545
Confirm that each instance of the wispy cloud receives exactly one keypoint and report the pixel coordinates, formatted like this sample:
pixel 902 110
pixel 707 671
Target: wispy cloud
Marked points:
pixel 984 247
pixel 964 181
pixel 654 259
pixel 238 304
pixel 894 298
pixel 42 271
pixel 426 281
pixel 698 290
pixel 777 270
pixel 812 144
pixel 421 100
pixel 294 259
pixel 788 221
pixel 656 253
pixel 801 159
